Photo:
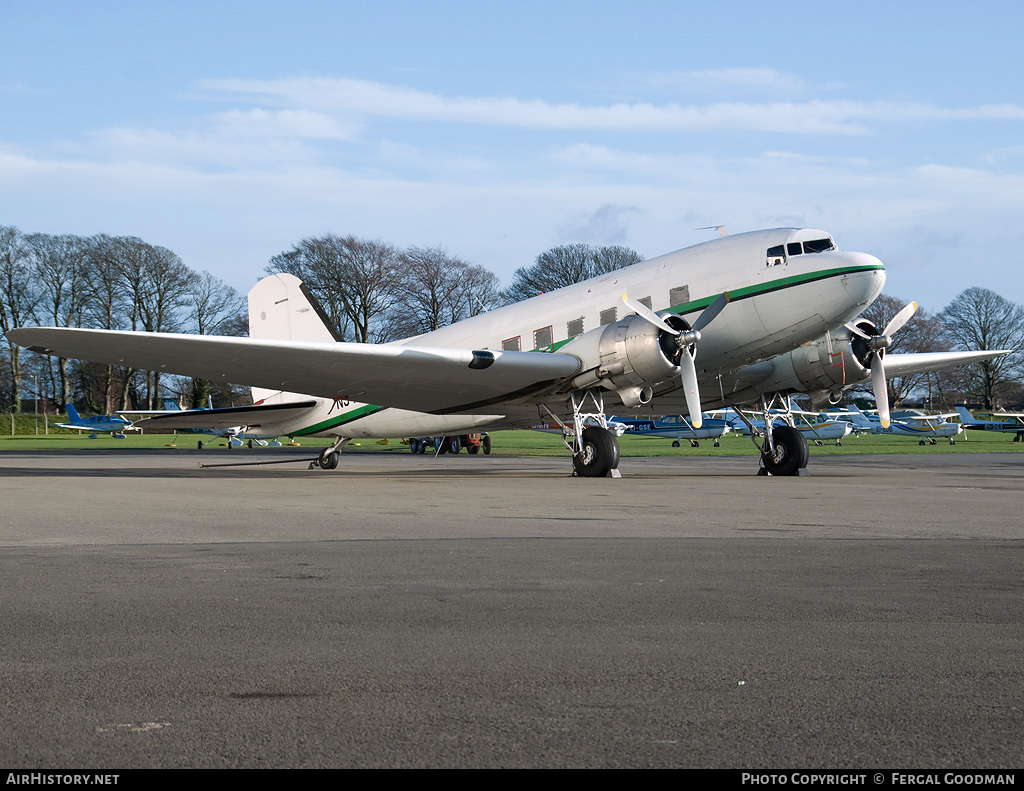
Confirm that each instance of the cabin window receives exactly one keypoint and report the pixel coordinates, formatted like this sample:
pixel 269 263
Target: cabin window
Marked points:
pixel 511 345
pixel 575 327
pixel 542 338
pixel 819 246
pixel 608 316
pixel 794 248
pixel 679 295
pixel 646 301
pixel 776 255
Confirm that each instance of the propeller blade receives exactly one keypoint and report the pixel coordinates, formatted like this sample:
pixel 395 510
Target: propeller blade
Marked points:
pixel 711 311
pixel 857 330
pixel 645 312
pixel 880 390
pixel 689 373
pixel 900 319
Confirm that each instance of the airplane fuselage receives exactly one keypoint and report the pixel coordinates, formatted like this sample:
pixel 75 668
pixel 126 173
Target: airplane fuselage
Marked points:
pixel 784 293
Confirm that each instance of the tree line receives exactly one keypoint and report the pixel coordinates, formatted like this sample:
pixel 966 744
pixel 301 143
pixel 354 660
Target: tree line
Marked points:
pixel 372 292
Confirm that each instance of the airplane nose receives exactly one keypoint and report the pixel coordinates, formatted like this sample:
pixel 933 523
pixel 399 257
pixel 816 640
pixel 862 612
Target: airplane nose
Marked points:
pixel 865 277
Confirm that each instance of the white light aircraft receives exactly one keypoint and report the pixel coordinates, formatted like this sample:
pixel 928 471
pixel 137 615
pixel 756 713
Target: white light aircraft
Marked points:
pixel 926 428
pixel 744 319
pixel 677 428
pixel 815 426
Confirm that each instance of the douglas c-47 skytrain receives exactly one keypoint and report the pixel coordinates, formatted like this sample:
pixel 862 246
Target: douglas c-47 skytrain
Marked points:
pixel 743 320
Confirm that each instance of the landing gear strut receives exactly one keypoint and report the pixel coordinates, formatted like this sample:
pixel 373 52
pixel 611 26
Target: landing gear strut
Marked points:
pixel 784 449
pixel 329 457
pixel 595 451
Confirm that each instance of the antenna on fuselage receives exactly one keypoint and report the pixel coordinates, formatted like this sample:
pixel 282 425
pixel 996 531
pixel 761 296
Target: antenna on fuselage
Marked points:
pixel 720 228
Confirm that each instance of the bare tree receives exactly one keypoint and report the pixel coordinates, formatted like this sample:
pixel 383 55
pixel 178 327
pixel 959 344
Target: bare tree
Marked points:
pixel 18 298
pixel 565 265
pixel 356 281
pixel 61 268
pixel 440 289
pixel 921 334
pixel 979 318
pixel 215 308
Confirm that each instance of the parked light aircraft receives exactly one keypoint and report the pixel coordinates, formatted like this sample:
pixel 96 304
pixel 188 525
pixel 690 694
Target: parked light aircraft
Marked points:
pixel 1015 424
pixel 745 319
pixel 677 428
pixel 100 424
pixel 815 426
pixel 924 427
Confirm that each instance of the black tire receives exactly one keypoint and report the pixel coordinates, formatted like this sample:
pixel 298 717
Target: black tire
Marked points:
pixel 675 443
pixel 441 445
pixel 791 454
pixel 485 443
pixel 330 461
pixel 199 445
pixel 414 445
pixel 598 455
pixel 454 445
pixel 472 450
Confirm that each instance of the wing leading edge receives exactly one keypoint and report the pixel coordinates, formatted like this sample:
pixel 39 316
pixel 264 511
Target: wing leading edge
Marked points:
pixel 435 380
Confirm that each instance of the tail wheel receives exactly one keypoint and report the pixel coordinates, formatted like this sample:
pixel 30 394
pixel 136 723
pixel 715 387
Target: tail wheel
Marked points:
pixel 330 461
pixel 790 455
pixel 599 453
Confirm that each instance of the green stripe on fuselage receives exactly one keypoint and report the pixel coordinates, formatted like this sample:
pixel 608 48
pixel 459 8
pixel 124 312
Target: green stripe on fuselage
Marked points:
pixel 340 420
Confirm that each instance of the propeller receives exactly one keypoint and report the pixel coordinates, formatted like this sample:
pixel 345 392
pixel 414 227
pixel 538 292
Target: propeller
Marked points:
pixel 687 343
pixel 877 344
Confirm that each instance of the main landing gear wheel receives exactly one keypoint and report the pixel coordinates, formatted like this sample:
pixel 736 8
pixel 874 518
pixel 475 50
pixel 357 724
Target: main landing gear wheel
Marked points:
pixel 599 453
pixel 329 461
pixel 791 454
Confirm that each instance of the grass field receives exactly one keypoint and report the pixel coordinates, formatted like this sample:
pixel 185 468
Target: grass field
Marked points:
pixel 519 443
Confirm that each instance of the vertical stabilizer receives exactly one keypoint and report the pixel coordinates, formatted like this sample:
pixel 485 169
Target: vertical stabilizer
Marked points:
pixel 73 416
pixel 282 308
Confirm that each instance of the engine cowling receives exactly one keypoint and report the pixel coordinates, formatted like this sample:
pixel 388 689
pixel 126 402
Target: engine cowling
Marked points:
pixel 629 357
pixel 822 368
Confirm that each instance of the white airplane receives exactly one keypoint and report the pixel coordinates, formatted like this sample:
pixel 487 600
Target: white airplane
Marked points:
pixel 1015 424
pixel 746 319
pixel 926 428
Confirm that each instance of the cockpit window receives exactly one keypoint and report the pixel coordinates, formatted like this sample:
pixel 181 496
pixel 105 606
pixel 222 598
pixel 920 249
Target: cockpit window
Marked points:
pixel 819 246
pixel 776 255
pixel 793 248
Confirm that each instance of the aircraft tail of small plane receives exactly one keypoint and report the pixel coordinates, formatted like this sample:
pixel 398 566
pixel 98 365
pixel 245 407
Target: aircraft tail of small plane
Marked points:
pixel 965 416
pixel 281 307
pixel 73 416
pixel 858 418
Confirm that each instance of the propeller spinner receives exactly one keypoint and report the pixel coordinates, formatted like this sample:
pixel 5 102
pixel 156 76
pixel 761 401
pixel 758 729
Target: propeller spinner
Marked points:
pixel 687 342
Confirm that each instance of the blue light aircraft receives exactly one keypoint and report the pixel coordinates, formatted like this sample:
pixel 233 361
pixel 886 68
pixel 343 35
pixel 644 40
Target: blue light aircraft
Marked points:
pixel 1015 424
pixel 100 424
pixel 676 427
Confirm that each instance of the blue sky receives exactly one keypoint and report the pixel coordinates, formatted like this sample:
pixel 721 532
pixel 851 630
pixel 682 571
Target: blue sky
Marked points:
pixel 228 131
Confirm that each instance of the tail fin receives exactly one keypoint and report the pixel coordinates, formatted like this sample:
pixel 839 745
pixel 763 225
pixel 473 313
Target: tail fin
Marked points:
pixel 170 405
pixel 281 307
pixel 965 415
pixel 857 417
pixel 73 416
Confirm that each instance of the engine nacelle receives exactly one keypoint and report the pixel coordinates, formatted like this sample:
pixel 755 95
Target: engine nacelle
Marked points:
pixel 630 356
pixel 822 368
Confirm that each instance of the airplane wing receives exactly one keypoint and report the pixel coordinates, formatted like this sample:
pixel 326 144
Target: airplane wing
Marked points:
pixel 227 417
pixel 923 362
pixel 435 380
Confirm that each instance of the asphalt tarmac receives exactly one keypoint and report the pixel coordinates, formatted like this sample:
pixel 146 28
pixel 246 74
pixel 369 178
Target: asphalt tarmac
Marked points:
pixel 407 611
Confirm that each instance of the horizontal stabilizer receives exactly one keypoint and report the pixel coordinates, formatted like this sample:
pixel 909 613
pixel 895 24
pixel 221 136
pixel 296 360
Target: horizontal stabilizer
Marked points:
pixel 229 416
